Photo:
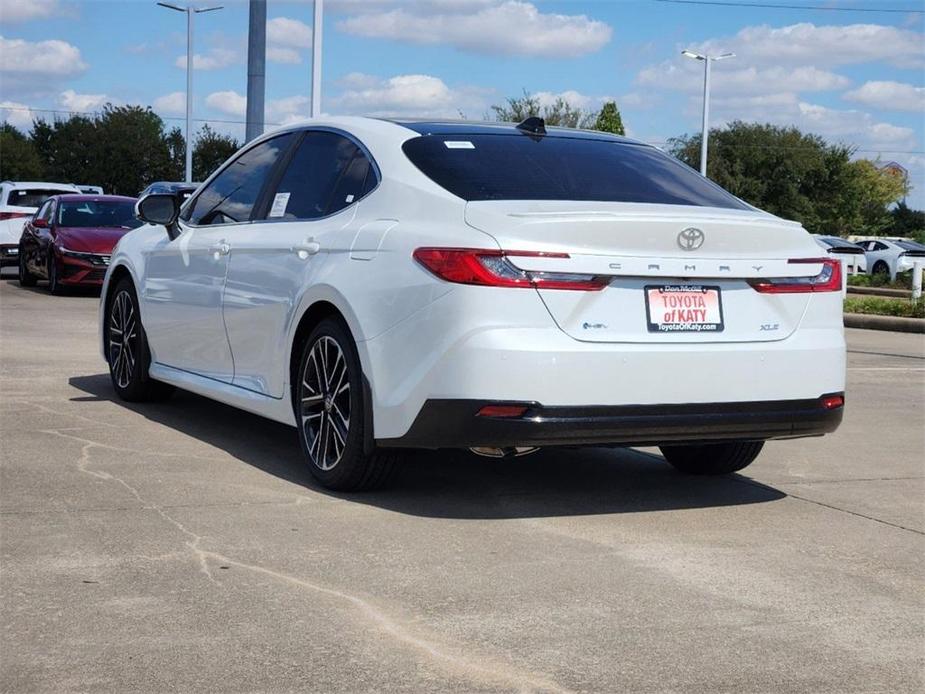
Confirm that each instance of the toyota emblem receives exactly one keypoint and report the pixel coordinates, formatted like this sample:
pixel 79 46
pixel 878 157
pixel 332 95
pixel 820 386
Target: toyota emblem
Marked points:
pixel 690 239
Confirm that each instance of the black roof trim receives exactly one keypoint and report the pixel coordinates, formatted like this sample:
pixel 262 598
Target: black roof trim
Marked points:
pixel 468 127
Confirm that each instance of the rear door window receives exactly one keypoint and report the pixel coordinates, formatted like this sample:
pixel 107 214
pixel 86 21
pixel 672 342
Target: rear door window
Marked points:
pixel 231 196
pixel 327 173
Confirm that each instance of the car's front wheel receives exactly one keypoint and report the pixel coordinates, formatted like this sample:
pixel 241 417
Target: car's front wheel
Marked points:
pixel 127 348
pixel 331 412
pixel 713 458
pixel 54 282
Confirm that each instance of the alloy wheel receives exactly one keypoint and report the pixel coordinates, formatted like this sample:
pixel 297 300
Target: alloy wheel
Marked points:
pixel 325 403
pixel 123 338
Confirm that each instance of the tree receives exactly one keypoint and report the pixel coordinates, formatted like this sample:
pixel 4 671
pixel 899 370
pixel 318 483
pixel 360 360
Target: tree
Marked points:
pixel 176 148
pixel 18 158
pixel 609 119
pixel 875 189
pixel 904 221
pixel 210 151
pixel 132 149
pixel 560 112
pixel 67 148
pixel 794 175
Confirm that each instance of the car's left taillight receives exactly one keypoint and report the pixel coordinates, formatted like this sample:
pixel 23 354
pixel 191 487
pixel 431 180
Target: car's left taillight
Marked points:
pixel 492 268
pixel 828 280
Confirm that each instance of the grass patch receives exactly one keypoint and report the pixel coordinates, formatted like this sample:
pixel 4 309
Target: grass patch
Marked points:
pixel 903 281
pixel 883 306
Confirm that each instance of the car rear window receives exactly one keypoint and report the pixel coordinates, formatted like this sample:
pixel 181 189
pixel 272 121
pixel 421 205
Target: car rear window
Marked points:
pixel 521 167
pixel 911 246
pixel 31 197
pixel 118 214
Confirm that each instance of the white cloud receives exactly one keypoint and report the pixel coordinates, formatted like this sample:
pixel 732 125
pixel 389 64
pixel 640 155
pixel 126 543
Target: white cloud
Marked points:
pixel 575 99
pixel 15 11
pixel 72 101
pixel 17 114
pixel 408 95
pixel 40 58
pixel 172 104
pixel 228 102
pixel 288 56
pixel 889 96
pixel 512 27
pixel 685 75
pixel 283 31
pixel 214 59
pixel 827 45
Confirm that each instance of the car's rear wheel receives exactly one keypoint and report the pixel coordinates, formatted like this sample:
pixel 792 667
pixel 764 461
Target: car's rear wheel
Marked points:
pixel 881 268
pixel 127 348
pixel 54 282
pixel 26 278
pixel 713 458
pixel 331 413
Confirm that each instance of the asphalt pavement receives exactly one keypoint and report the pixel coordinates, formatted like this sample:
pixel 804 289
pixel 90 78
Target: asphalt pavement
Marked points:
pixel 182 546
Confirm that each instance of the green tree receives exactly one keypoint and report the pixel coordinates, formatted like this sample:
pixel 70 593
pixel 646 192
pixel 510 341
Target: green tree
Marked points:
pixel 18 158
pixel 875 189
pixel 210 151
pixel 904 221
pixel 609 120
pixel 68 149
pixel 132 149
pixel 784 171
pixel 176 148
pixel 560 112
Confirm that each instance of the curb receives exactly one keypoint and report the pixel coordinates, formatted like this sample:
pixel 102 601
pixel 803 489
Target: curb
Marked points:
pixel 880 291
pixel 894 323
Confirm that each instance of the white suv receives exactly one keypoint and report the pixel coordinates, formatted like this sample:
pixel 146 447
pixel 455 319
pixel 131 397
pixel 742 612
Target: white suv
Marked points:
pixel 18 201
pixel 385 285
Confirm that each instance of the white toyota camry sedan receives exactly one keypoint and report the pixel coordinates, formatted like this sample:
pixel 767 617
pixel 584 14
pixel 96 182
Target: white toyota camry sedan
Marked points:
pixel 387 285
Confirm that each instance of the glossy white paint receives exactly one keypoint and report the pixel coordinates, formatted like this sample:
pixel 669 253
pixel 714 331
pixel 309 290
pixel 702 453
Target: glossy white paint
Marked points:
pixel 223 326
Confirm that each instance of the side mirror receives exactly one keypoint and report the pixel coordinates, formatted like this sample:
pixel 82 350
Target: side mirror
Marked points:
pixel 40 223
pixel 160 209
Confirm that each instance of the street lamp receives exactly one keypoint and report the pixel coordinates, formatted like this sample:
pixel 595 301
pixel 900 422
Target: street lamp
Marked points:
pixel 317 31
pixel 190 13
pixel 707 59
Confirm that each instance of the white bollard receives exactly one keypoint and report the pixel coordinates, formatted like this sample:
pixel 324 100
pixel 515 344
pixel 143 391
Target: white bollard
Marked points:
pixel 844 276
pixel 917 268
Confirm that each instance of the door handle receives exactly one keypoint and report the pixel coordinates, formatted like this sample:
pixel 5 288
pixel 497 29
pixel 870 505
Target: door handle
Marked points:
pixel 308 248
pixel 220 249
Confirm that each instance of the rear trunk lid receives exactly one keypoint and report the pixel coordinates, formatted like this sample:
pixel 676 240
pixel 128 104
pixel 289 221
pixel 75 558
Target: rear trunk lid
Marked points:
pixel 661 258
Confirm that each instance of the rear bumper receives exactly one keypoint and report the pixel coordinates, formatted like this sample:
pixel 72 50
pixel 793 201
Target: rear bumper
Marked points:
pixel 9 255
pixel 456 424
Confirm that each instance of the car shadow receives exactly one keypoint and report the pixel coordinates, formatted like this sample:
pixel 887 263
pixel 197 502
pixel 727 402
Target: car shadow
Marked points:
pixel 42 288
pixel 458 484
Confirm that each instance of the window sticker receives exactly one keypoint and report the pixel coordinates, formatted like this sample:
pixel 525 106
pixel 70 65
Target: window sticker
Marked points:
pixel 458 144
pixel 279 205
pixel 349 199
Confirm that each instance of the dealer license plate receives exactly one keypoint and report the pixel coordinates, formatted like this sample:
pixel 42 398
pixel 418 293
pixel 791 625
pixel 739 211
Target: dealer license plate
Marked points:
pixel 680 308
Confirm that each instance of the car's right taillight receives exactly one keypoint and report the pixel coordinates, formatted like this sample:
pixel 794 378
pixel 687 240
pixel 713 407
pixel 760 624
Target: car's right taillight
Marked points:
pixel 828 280
pixel 491 268
pixel 13 215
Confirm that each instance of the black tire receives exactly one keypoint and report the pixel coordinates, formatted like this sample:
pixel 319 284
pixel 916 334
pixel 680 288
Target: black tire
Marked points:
pixel 880 268
pixel 127 348
pixel 26 278
pixel 331 413
pixel 713 458
pixel 54 286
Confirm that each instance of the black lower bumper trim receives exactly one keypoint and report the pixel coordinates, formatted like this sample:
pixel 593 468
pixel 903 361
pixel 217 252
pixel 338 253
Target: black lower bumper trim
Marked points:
pixel 456 424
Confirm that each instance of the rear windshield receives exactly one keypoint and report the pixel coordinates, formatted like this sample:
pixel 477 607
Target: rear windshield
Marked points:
pixel 520 167
pixel 911 246
pixel 31 197
pixel 98 213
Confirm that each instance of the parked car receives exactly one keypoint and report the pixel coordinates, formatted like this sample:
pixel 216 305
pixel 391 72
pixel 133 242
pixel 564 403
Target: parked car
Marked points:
pixel 18 201
pixel 892 256
pixel 70 239
pixel 90 190
pixel 184 190
pixel 385 285
pixel 851 253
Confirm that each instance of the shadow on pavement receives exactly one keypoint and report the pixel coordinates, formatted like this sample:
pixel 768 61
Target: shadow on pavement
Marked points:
pixel 457 484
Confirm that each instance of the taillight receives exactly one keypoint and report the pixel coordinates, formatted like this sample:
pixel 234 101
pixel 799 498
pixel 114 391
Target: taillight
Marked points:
pixel 832 402
pixel 13 215
pixel 491 268
pixel 828 280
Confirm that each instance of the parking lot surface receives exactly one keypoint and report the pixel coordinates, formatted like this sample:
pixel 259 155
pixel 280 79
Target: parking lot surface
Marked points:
pixel 182 546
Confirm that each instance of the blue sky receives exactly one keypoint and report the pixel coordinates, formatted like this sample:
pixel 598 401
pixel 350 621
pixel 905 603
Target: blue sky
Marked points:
pixel 853 77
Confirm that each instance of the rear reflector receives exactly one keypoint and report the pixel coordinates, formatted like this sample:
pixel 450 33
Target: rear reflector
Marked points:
pixel 13 215
pixel 828 280
pixel 501 411
pixel 833 402
pixel 491 268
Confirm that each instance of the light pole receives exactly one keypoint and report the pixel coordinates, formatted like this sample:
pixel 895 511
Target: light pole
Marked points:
pixel 190 13
pixel 317 30
pixel 707 59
